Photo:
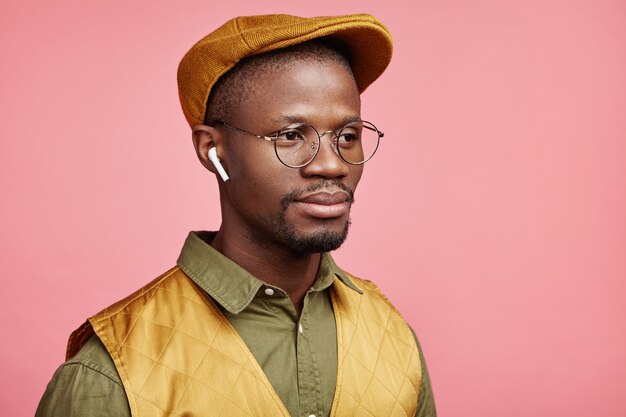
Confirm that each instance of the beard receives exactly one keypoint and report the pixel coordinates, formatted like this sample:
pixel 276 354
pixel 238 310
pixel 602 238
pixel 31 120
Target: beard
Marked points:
pixel 323 240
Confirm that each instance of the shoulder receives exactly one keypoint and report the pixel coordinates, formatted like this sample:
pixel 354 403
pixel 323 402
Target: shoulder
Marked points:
pixel 143 294
pixel 362 299
pixel 371 291
pixel 94 356
pixel 87 384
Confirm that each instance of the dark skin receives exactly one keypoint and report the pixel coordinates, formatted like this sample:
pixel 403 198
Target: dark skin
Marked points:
pixel 322 94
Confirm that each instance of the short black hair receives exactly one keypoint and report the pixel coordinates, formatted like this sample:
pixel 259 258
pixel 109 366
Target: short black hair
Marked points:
pixel 233 87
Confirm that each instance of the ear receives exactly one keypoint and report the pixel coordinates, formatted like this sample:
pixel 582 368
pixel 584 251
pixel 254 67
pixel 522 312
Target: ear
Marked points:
pixel 205 137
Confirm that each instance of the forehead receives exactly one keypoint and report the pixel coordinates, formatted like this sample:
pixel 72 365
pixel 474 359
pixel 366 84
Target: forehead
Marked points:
pixel 311 90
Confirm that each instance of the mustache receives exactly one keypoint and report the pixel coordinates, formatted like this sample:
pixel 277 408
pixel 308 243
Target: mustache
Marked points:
pixel 320 185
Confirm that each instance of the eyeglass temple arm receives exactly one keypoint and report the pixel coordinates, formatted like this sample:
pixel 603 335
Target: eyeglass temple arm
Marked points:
pixel 373 129
pixel 267 138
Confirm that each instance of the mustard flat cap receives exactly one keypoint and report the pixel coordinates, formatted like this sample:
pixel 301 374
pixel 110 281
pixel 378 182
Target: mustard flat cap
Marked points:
pixel 366 37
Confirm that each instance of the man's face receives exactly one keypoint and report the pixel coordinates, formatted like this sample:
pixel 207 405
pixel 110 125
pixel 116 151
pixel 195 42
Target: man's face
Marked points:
pixel 306 209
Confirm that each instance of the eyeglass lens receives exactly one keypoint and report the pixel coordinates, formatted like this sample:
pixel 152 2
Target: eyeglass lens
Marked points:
pixel 296 145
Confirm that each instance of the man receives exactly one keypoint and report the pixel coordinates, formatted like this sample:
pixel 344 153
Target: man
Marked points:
pixel 256 319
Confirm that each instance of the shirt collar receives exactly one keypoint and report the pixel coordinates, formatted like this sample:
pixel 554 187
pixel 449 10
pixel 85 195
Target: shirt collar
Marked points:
pixel 232 286
pixel 328 271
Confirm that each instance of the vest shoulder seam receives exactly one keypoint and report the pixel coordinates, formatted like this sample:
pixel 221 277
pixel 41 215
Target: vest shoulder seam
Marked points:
pixel 86 363
pixel 123 303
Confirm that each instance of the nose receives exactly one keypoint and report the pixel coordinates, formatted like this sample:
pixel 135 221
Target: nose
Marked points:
pixel 327 163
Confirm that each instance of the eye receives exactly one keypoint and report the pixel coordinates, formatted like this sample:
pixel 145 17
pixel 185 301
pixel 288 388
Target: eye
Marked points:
pixel 348 137
pixel 290 137
pixel 295 135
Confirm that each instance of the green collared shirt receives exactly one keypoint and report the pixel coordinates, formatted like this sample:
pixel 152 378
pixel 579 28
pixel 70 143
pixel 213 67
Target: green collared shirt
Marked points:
pixel 298 354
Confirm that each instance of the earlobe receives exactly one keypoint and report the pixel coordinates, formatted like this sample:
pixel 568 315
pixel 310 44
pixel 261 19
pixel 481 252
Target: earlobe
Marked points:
pixel 204 138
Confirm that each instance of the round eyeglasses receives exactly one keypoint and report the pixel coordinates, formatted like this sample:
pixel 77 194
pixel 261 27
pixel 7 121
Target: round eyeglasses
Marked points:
pixel 296 145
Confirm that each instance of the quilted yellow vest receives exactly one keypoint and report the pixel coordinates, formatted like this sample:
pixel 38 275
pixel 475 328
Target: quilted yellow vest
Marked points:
pixel 177 355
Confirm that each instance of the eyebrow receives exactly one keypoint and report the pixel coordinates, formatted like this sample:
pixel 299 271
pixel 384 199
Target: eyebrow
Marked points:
pixel 294 118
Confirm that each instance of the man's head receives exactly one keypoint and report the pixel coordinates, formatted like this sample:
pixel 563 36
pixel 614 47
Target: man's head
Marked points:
pixel 234 88
pixel 303 209
pixel 365 37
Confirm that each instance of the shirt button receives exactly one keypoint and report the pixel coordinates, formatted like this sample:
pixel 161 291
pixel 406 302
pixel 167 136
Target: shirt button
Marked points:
pixel 300 329
pixel 312 415
pixel 269 291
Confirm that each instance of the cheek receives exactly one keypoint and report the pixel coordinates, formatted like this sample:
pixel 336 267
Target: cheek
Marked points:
pixel 248 158
pixel 257 177
pixel 356 171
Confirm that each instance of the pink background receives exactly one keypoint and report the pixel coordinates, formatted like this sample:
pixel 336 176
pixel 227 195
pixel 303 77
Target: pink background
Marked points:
pixel 494 215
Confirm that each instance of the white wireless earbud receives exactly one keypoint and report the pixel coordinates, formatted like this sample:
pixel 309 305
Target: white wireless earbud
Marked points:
pixel 218 165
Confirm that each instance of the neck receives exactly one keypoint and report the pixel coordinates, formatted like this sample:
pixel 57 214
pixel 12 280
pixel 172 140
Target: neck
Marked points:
pixel 277 266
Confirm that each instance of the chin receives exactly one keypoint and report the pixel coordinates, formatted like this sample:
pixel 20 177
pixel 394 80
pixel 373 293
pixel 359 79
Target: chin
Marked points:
pixel 324 239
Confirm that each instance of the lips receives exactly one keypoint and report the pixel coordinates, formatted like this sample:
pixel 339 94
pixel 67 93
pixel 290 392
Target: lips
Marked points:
pixel 324 204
